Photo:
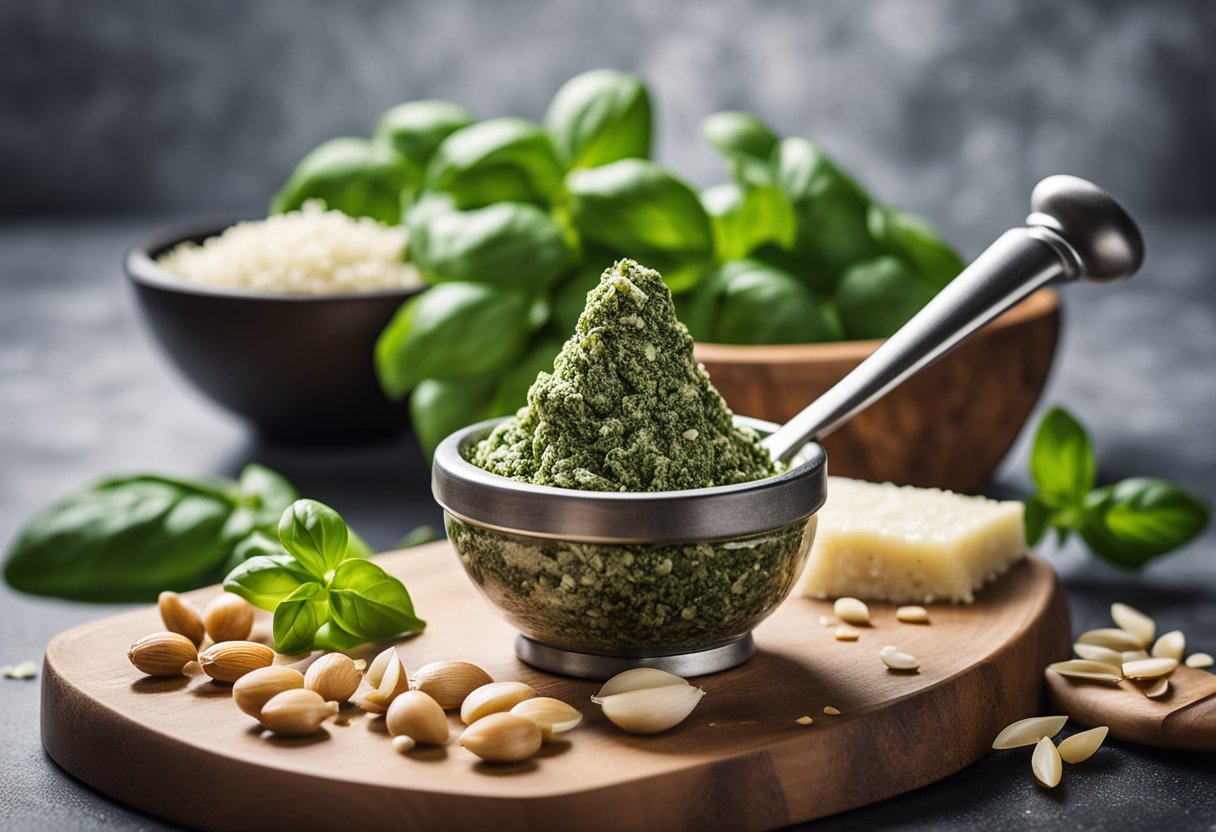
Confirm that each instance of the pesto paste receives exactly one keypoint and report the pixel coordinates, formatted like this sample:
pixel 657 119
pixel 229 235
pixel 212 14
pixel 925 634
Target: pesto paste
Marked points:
pixel 598 597
pixel 627 406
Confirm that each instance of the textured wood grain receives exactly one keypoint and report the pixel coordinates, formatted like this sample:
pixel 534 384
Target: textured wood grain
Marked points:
pixel 1184 718
pixel 949 426
pixel 179 748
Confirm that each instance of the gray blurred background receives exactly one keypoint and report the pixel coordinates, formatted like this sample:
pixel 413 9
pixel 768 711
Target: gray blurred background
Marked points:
pixel 950 107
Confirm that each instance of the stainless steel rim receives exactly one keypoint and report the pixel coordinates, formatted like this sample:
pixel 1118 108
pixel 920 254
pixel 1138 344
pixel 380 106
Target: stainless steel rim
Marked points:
pixel 595 666
pixel 478 497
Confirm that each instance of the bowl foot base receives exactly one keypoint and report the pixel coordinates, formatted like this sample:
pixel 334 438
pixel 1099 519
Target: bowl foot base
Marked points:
pixel 599 666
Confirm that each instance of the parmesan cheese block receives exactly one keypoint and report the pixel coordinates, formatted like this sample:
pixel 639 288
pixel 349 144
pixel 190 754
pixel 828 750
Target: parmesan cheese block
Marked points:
pixel 910 545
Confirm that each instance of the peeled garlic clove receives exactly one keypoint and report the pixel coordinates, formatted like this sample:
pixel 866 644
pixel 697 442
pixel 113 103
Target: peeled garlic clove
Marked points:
pixel 334 676
pixel 1045 762
pixel 1029 731
pixel 228 618
pixel 296 713
pixel 375 671
pixel 1097 653
pixel 492 698
pixel 415 714
pixel 162 654
pixel 1088 671
pixel 1158 689
pixel 1199 661
pixel 638 679
pixel 651 710
pixel 252 691
pixel 394 681
pixel 403 744
pixel 896 659
pixel 502 738
pixel 852 611
pixel 552 715
pixel 912 615
pixel 1172 645
pixel 180 616
pixel 1135 622
pixel 1149 668
pixel 448 683
pixel 230 660
pixel 1112 638
pixel 1080 747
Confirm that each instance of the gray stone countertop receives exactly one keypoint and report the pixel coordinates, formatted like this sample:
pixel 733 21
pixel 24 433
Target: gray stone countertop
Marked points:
pixel 84 393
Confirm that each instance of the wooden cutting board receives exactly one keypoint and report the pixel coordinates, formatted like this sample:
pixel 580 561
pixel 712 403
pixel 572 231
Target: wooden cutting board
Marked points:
pixel 180 749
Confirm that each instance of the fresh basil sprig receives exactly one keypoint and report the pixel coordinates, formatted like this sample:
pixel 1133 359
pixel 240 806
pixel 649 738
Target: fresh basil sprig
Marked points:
pixel 321 594
pixel 128 538
pixel 1128 523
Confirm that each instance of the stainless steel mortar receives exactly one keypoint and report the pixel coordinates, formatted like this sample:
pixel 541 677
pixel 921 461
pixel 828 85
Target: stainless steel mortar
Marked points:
pixel 1075 232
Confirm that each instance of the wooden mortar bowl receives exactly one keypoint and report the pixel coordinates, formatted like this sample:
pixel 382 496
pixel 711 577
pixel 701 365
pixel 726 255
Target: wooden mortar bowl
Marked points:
pixel 949 426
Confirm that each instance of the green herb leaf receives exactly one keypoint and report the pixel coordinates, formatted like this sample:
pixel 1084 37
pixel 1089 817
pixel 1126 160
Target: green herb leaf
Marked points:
pixel 512 392
pixel 500 160
pixel 438 408
pixel 746 142
pixel 418 536
pixel 878 296
pixel 759 304
pixel 332 637
pixel 1136 520
pixel 265 580
pixel 832 214
pixel 599 117
pixel 511 244
pixel 354 176
pixel 634 206
pixel 745 218
pixel 315 535
pixel 1037 517
pixel 913 240
pixel 366 601
pixel 356 546
pixel 254 544
pixel 416 128
pixel 123 540
pixel 262 497
pixel 456 331
pixel 570 294
pixel 298 617
pixel 1062 460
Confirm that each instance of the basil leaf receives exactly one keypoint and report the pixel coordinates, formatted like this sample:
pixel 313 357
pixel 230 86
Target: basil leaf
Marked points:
pixel 599 117
pixel 746 142
pixel 511 244
pixel 368 602
pixel 633 207
pixel 418 536
pixel 500 160
pixel 356 546
pixel 759 304
pixel 1036 519
pixel 263 496
pixel 456 331
pixel 832 210
pixel 570 295
pixel 745 218
pixel 912 239
pixel 354 176
pixel 298 617
pixel 1136 520
pixel 333 637
pixel 438 408
pixel 123 540
pixel 265 580
pixel 1062 459
pixel 878 296
pixel 512 390
pixel 254 544
pixel 416 128
pixel 315 535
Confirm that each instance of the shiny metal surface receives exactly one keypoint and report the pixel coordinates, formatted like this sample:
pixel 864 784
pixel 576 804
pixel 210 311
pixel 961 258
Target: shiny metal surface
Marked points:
pixel 1076 231
pixel 596 666
pixel 495 502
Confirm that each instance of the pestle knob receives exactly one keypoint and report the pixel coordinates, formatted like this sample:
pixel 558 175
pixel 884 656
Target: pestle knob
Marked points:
pixel 1105 240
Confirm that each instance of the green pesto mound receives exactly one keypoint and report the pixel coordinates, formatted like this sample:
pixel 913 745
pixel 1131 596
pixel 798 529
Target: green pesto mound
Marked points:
pixel 627 407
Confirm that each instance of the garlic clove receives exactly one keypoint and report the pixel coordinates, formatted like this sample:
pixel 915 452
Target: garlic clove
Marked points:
pixel 228 618
pixel 552 715
pixel 334 676
pixel 252 691
pixel 230 660
pixel 296 713
pixel 651 710
pixel 375 671
pixel 448 683
pixel 492 698
pixel 502 738
pixel 415 714
pixel 180 616
pixel 162 654
pixel 638 678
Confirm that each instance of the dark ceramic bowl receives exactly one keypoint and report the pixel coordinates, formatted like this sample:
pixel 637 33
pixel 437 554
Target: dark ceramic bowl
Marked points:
pixel 298 367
